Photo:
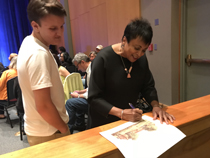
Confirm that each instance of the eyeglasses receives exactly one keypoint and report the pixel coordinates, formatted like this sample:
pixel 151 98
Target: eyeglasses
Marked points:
pixel 78 64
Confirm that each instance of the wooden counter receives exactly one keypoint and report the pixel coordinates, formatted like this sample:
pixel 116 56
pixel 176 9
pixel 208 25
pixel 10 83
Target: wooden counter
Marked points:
pixel 192 118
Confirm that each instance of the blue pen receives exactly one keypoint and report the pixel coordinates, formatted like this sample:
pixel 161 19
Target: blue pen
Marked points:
pixel 131 105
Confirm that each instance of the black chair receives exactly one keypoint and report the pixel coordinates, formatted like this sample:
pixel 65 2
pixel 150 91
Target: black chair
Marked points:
pixel 11 99
pixel 21 120
pixel 19 106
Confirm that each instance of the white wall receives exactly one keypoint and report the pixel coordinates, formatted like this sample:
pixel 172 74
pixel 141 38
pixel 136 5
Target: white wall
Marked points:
pixel 164 62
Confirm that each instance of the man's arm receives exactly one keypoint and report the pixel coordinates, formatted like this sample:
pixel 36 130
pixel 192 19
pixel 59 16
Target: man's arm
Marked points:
pixel 47 109
pixel 81 91
pixel 80 94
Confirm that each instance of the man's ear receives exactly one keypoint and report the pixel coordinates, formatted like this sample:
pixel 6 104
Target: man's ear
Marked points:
pixel 35 26
pixel 82 62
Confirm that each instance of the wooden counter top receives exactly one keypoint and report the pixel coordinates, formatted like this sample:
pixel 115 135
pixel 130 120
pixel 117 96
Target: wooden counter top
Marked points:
pixel 192 118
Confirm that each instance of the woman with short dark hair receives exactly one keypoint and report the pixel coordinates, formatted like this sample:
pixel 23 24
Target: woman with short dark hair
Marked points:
pixel 119 73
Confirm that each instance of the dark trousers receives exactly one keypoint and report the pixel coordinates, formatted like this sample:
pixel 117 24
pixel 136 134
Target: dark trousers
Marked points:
pixel 76 108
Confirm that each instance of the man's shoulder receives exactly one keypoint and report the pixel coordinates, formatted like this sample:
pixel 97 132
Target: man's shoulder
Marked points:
pixel 31 44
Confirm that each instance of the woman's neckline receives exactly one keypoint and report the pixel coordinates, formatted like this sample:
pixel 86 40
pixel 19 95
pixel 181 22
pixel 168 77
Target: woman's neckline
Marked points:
pixel 116 48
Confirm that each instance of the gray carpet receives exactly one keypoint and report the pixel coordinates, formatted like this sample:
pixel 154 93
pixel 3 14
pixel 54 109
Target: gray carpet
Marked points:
pixel 8 141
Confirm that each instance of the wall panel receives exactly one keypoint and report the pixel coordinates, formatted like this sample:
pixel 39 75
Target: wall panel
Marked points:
pixel 75 35
pixel 94 3
pixel 83 6
pixel 85 33
pixel 100 21
pixel 98 25
pixel 73 11
pixel 119 14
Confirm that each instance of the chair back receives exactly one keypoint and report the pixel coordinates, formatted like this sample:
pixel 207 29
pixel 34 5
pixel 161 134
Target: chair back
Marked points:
pixel 11 99
pixel 72 83
pixel 62 79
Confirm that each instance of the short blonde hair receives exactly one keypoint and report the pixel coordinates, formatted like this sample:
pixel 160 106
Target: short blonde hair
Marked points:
pixel 13 63
pixel 12 55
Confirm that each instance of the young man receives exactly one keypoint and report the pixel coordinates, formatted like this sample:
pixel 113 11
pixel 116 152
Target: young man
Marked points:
pixel 78 105
pixel 43 95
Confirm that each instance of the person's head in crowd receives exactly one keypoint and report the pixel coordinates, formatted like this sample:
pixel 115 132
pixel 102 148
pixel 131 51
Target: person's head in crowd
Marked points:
pixel 65 57
pixel 137 31
pixel 62 49
pixel 1 66
pixel 13 63
pixel 81 61
pixel 57 60
pixel 98 48
pixel 12 55
pixel 47 20
pixel 92 55
pixel 53 49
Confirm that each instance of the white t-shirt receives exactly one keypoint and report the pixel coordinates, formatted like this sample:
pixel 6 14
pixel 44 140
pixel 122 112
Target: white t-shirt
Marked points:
pixel 88 71
pixel 37 69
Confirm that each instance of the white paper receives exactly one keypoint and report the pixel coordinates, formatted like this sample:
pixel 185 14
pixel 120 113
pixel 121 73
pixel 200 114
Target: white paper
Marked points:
pixel 153 139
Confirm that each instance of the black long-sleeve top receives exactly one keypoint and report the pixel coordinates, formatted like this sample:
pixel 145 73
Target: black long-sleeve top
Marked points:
pixel 109 85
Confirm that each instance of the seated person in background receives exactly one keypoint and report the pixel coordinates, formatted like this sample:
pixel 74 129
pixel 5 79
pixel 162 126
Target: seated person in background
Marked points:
pixel 92 55
pixel 53 49
pixel 6 75
pixel 77 106
pixel 118 74
pixel 61 50
pixel 98 48
pixel 66 62
pixel 18 95
pixel 62 70
pixel 12 55
pixel 1 67
pixel 6 68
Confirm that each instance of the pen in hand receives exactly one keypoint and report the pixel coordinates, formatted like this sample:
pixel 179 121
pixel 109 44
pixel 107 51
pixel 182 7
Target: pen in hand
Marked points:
pixel 131 105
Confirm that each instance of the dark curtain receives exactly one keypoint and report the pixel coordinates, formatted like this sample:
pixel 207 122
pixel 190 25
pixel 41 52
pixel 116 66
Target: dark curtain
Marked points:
pixel 14 27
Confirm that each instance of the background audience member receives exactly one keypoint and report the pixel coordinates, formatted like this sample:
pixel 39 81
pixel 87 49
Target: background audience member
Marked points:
pixel 18 95
pixel 98 48
pixel 10 58
pixel 1 68
pixel 43 95
pixel 62 70
pixel 92 55
pixel 12 55
pixel 77 106
pixel 62 49
pixel 6 75
pixel 118 74
pixel 66 62
pixel 53 49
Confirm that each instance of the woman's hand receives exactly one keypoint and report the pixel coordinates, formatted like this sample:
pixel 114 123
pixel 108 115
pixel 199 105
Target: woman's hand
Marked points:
pixel 132 114
pixel 164 116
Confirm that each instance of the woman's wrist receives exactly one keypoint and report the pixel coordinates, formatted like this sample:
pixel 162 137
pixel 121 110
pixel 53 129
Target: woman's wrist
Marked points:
pixel 122 114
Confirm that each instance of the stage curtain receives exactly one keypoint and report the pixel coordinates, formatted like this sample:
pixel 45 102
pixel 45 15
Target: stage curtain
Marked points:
pixel 14 27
